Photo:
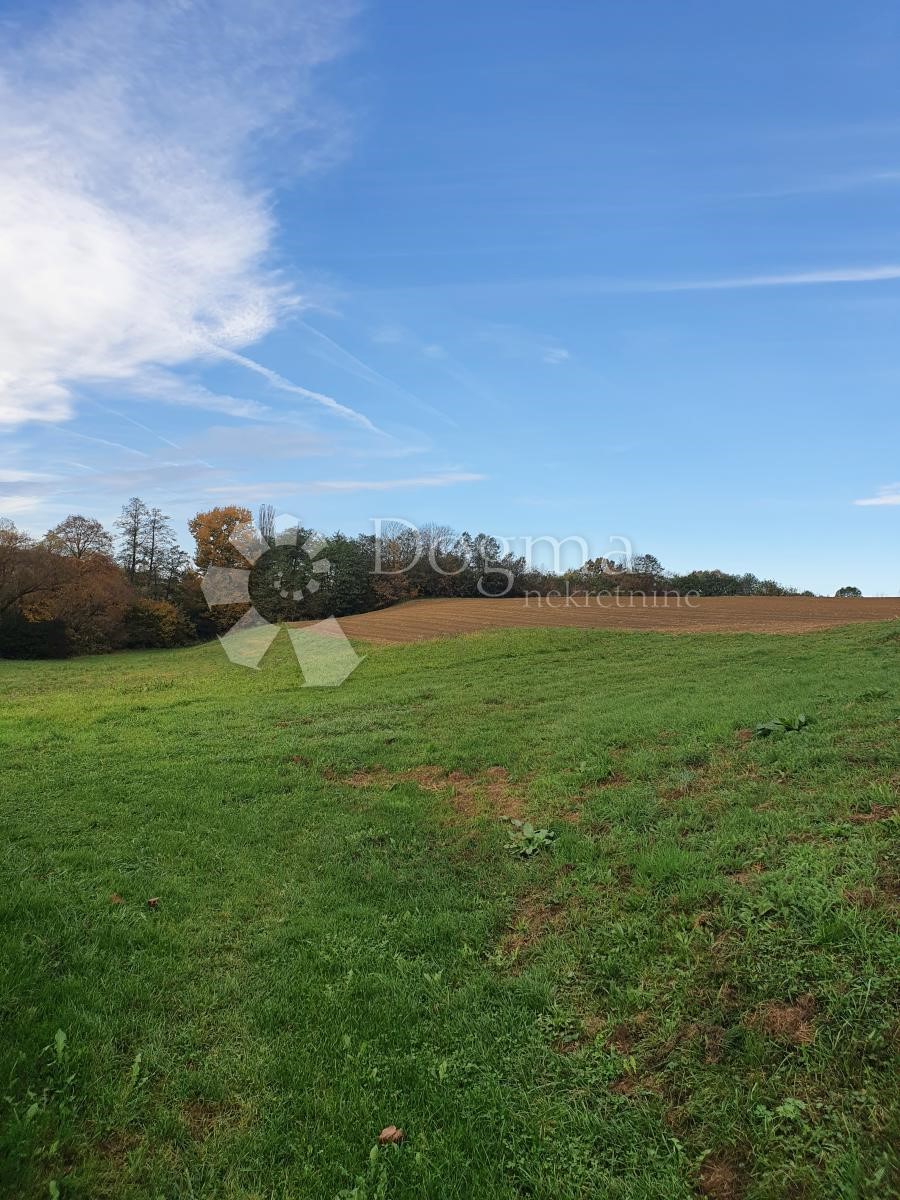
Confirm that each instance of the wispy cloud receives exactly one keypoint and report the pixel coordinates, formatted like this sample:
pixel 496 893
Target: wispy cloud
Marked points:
pixel 522 344
pixel 889 494
pixel 261 490
pixel 835 183
pixel 19 504
pixel 134 236
pixel 874 274
pixel 285 385
pixel 348 361
pixel 12 476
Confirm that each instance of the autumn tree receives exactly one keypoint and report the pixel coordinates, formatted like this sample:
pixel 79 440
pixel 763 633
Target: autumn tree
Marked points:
pixel 27 571
pixel 78 536
pixel 90 598
pixel 212 531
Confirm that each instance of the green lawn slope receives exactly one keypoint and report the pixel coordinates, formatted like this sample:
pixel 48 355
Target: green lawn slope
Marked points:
pixel 689 989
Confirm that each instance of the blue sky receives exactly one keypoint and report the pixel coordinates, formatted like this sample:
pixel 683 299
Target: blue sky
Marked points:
pixel 613 271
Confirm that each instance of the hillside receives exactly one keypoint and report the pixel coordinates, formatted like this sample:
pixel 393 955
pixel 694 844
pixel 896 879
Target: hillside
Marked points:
pixel 248 926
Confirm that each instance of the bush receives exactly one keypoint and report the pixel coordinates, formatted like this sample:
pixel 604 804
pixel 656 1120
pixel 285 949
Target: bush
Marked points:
pixel 21 638
pixel 156 624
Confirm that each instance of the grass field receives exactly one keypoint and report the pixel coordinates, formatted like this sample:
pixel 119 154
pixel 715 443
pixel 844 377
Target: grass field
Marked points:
pixel 690 990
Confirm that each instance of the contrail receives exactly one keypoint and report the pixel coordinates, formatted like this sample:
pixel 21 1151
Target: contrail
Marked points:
pixel 364 371
pixel 285 385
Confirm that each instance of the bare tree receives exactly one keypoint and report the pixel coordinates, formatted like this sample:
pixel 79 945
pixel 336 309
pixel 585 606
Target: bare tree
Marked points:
pixel 132 526
pixel 158 540
pixel 78 536
pixel 266 523
pixel 173 566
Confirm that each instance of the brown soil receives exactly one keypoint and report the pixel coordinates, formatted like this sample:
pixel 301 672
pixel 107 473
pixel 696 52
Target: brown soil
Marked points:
pixel 792 1023
pixel 535 915
pixel 420 620
pixel 878 812
pixel 719 1180
pixel 748 874
pixel 116 1147
pixel 490 792
pixel 203 1116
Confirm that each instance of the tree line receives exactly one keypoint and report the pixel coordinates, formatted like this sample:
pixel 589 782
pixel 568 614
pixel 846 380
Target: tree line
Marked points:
pixel 85 589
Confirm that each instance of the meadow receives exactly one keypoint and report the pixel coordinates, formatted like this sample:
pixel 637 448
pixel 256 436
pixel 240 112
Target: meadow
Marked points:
pixel 246 925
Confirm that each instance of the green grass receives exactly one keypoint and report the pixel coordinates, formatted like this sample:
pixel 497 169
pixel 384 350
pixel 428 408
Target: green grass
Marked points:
pixel 598 1020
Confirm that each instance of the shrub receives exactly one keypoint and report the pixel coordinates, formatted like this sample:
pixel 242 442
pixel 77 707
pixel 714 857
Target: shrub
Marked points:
pixel 21 638
pixel 156 624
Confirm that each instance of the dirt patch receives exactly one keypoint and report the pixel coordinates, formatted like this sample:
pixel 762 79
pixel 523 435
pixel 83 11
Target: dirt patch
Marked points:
pixel 863 897
pixel 116 1147
pixel 535 916
pixel 748 874
pixel 789 1023
pixel 720 1180
pixel 626 1035
pixel 614 780
pixel 631 1085
pixel 878 812
pixel 489 792
pixel 572 816
pixel 420 620
pixel 204 1117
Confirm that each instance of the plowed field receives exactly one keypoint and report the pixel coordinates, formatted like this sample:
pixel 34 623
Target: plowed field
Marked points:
pixel 420 620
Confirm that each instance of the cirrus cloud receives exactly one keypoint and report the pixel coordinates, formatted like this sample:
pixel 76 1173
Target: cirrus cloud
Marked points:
pixel 135 238
pixel 889 494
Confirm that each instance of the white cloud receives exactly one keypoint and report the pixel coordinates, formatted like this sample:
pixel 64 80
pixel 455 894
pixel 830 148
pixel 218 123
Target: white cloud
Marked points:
pixel 285 385
pixel 889 494
pixel 17 504
pixel 134 237
pixel 522 344
pixel 790 279
pixel 389 335
pixel 834 183
pixel 10 476
pixel 261 490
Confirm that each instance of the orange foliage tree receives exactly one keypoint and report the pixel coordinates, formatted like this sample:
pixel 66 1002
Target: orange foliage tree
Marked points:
pixel 212 532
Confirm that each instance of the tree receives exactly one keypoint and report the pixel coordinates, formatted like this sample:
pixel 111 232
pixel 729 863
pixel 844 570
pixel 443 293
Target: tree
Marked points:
pixel 213 530
pixel 27 571
pixel 848 593
pixel 132 526
pixel 156 624
pixel 647 572
pixel 89 598
pixel 158 540
pixel 78 536
pixel 174 565
pixel 265 522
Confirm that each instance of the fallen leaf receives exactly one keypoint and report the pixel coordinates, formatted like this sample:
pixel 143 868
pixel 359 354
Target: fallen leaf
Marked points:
pixel 115 898
pixel 153 902
pixel 390 1136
